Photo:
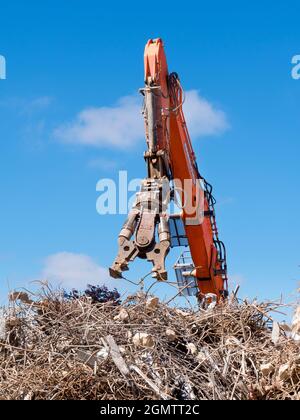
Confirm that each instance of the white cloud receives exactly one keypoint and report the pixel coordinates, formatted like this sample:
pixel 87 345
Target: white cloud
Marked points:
pixel 202 118
pixel 121 126
pixel 71 270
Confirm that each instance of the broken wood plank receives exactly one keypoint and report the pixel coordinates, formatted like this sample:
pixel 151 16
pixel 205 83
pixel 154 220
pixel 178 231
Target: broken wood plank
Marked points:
pixel 116 356
pixel 275 332
pixel 2 325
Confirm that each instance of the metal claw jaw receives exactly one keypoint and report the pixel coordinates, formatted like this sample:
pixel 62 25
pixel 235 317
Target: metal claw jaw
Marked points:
pixel 158 256
pixel 143 225
pixel 127 252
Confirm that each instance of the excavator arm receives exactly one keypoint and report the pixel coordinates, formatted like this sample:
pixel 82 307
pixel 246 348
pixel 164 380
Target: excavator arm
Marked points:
pixel 172 171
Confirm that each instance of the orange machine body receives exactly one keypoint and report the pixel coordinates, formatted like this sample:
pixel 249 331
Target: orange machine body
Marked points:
pixel 174 139
pixel 171 161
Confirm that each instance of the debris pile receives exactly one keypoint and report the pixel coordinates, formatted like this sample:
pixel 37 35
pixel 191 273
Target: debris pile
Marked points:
pixel 58 348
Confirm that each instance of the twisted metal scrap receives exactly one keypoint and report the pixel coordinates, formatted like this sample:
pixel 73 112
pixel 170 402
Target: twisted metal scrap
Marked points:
pixel 60 349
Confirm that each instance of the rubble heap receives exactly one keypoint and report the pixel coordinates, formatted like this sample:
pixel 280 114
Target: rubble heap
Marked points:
pixel 58 348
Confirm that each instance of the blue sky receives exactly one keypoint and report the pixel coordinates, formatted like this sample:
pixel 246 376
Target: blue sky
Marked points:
pixel 67 57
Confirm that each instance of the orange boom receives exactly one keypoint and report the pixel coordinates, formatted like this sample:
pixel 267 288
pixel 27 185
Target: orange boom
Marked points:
pixel 150 230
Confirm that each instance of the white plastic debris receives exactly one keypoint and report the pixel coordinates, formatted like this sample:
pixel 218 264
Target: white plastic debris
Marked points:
pixel 266 369
pixel 232 341
pixel 192 349
pixel 103 353
pixel 171 334
pixel 296 337
pixel 296 325
pixel 201 357
pixel 122 316
pixel 143 340
pixel 29 396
